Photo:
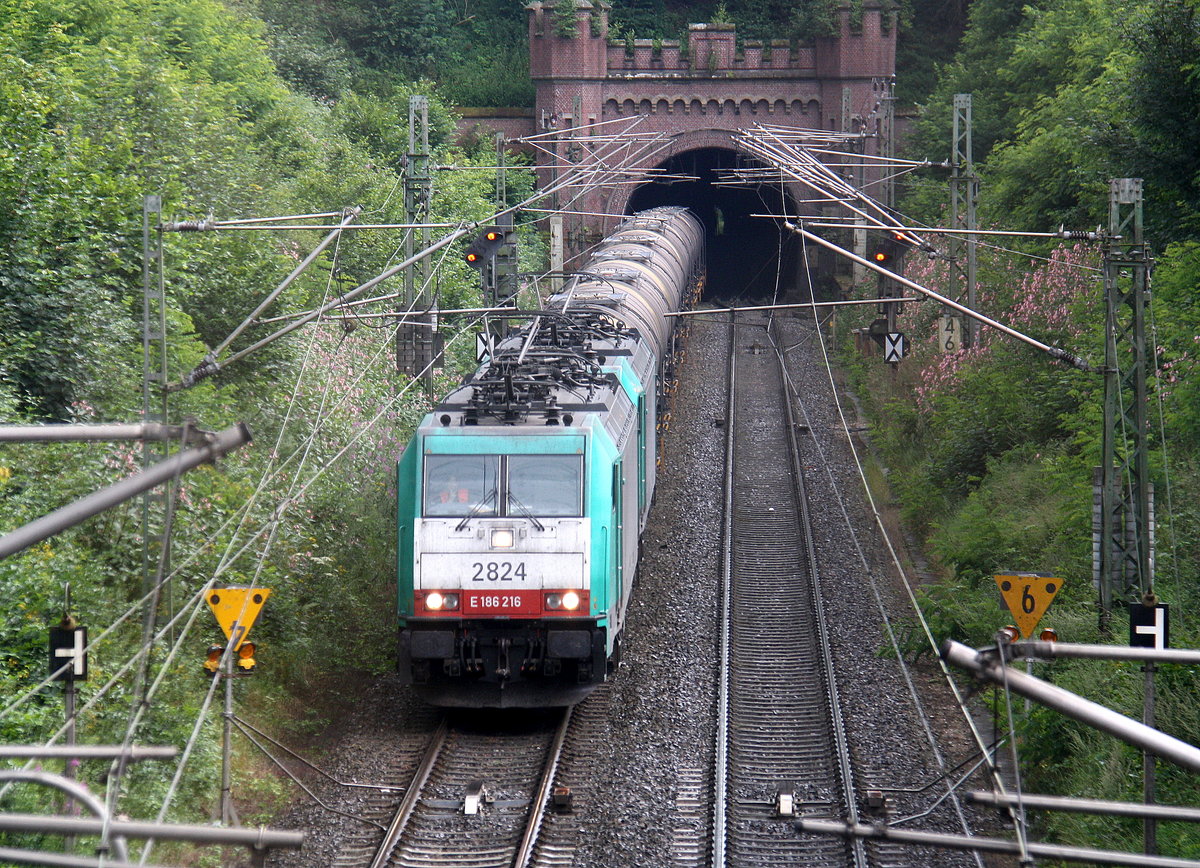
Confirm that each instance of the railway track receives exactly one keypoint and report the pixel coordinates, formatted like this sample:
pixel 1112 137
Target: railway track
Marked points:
pixel 478 795
pixel 576 780
pixel 778 724
pixel 376 808
pixel 781 745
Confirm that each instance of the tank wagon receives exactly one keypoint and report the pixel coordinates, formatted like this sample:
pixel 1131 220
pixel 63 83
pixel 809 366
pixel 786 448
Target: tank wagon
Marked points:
pixel 524 493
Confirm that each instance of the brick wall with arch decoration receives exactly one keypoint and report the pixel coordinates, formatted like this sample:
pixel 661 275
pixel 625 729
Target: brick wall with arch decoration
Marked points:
pixel 615 199
pixel 702 92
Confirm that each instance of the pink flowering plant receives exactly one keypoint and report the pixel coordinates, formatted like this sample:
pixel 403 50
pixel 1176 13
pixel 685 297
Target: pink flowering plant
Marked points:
pixel 949 413
pixel 1055 303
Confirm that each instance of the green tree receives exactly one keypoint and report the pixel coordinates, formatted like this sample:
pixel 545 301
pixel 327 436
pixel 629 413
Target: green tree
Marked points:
pixel 1155 132
pixel 408 36
pixel 1043 79
pixel 930 32
pixel 565 19
pixel 994 26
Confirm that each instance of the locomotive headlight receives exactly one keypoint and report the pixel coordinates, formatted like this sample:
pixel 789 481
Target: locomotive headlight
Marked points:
pixel 502 538
pixel 566 601
pixel 435 601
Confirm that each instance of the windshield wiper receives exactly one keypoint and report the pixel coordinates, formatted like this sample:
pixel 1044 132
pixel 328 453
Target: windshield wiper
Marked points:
pixel 512 498
pixel 474 511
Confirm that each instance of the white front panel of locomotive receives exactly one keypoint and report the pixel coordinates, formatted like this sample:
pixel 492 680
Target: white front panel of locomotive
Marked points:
pixel 447 558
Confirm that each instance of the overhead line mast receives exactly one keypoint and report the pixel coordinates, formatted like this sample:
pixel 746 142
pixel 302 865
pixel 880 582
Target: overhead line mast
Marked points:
pixel 415 344
pixel 964 193
pixel 1124 567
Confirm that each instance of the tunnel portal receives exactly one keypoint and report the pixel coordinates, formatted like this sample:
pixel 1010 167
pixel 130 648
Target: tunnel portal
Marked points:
pixel 748 257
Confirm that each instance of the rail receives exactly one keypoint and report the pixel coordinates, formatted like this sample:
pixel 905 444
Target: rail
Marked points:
pixel 782 752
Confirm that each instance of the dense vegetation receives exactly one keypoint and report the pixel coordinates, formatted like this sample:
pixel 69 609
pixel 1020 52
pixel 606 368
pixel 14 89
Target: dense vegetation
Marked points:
pixel 991 450
pixel 477 50
pixel 102 103
pixel 244 108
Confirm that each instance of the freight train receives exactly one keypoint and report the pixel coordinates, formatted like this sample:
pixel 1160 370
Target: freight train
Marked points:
pixel 524 493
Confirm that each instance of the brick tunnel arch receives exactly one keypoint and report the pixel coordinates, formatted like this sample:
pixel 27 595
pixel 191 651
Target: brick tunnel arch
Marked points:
pixel 748 257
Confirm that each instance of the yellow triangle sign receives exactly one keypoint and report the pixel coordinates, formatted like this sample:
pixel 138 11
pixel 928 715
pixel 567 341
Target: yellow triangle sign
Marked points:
pixel 236 610
pixel 1028 596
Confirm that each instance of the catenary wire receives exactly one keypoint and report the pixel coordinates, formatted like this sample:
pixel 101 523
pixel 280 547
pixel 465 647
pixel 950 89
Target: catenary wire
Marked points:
pixel 202 715
pixel 277 514
pixel 872 579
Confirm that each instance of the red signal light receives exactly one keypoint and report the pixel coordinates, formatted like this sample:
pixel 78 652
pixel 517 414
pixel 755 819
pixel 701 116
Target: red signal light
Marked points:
pixel 484 247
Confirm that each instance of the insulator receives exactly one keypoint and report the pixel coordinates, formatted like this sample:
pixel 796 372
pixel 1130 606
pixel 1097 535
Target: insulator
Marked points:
pixel 202 370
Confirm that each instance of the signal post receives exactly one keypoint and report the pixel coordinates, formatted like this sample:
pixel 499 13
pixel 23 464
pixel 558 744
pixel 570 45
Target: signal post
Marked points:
pixel 887 251
pixel 494 255
pixel 236 609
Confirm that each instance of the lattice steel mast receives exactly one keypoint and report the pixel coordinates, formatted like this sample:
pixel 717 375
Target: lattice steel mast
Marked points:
pixel 1124 565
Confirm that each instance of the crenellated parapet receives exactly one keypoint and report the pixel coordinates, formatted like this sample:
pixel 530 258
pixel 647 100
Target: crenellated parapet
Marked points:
pixel 710 50
pixel 559 51
pixel 865 45
pixel 700 92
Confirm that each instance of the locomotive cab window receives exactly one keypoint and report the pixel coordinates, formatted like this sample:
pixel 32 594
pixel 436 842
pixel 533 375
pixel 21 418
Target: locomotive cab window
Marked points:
pixel 458 485
pixel 544 485
pixel 540 486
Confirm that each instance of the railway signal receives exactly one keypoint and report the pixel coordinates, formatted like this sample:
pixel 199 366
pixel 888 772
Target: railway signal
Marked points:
pixel 68 664
pixel 236 610
pixel 888 251
pixel 949 333
pixel 1027 596
pixel 68 643
pixel 893 347
pixel 485 346
pixel 1149 626
pixel 245 657
pixel 483 249
pixel 494 255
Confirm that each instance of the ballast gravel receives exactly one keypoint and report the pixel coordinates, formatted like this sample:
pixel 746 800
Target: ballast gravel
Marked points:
pixel 650 765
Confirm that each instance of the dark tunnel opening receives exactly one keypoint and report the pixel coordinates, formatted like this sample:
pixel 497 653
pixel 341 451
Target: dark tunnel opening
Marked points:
pixel 748 257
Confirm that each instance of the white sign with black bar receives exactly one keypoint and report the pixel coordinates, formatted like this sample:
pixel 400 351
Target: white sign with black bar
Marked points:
pixel 1149 626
